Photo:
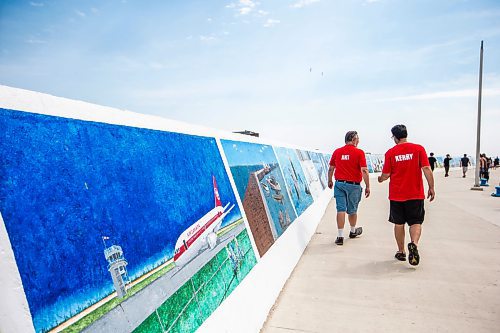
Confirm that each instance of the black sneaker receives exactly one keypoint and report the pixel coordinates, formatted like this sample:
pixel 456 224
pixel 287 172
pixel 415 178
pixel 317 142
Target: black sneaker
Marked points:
pixel 356 233
pixel 401 256
pixel 339 241
pixel 413 256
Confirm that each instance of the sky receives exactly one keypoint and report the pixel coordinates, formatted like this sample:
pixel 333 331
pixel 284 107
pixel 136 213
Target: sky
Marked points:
pixel 301 72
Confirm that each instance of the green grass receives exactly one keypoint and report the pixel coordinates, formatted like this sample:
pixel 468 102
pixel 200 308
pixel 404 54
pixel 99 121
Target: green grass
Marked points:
pixel 184 311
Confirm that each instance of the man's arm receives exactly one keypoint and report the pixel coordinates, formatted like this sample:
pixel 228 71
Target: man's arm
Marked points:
pixel 430 181
pixel 330 175
pixel 366 179
pixel 383 177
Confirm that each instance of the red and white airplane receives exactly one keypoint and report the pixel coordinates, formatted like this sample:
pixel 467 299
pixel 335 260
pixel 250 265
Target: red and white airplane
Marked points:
pixel 201 234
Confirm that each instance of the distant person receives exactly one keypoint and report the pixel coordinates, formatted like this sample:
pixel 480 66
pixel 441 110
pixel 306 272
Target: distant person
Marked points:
pixel 404 164
pixel 464 163
pixel 349 165
pixel 446 163
pixel 483 166
pixel 489 165
pixel 496 163
pixel 432 161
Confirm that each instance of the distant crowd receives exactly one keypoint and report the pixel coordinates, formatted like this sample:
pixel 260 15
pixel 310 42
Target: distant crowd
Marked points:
pixel 485 164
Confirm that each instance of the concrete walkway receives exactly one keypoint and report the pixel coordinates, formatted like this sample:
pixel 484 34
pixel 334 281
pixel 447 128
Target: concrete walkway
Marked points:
pixel 360 287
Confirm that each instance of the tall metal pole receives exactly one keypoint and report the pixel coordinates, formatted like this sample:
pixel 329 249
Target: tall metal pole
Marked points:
pixel 478 141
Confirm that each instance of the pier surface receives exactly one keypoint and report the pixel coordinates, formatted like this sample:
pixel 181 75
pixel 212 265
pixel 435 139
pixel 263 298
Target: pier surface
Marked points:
pixel 360 287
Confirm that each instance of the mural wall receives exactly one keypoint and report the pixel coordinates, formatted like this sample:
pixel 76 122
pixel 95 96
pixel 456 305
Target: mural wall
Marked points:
pixel 112 225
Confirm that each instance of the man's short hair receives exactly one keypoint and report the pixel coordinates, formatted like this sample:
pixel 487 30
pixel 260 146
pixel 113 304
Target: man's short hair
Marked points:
pixel 349 136
pixel 399 132
pixel 465 155
pixel 432 154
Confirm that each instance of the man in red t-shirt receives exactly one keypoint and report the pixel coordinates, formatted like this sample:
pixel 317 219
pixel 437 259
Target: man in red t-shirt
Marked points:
pixel 349 164
pixel 404 164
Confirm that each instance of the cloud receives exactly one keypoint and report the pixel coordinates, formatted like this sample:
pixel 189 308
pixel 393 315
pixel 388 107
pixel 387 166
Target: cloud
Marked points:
pixel 80 13
pixel 262 13
pixel 207 39
pixel 303 3
pixel 37 4
pixel 245 10
pixel 94 10
pixel 271 23
pixel 243 7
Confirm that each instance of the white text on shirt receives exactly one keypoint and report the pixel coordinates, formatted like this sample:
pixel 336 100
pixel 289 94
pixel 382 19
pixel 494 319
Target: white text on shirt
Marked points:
pixel 345 157
pixel 405 157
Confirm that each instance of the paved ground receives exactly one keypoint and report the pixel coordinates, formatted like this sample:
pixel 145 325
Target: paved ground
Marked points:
pixel 360 287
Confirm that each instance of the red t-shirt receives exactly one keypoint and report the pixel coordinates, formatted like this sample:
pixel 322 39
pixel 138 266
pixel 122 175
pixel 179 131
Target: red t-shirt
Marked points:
pixel 404 163
pixel 348 162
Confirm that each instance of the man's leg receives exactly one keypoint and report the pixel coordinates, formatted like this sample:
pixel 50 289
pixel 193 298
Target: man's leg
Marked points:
pixel 340 221
pixel 415 231
pixel 414 256
pixel 353 199
pixel 399 234
pixel 353 218
pixel 355 232
pixel 341 202
pixel 340 228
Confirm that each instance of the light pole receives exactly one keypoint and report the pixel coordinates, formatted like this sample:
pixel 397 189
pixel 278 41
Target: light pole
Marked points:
pixel 478 140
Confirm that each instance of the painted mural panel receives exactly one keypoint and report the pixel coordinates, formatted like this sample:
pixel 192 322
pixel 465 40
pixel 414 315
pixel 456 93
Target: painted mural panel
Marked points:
pixel 439 161
pixel 377 162
pixel 261 187
pixel 369 163
pixel 295 179
pixel 108 223
pixel 321 167
pixel 311 173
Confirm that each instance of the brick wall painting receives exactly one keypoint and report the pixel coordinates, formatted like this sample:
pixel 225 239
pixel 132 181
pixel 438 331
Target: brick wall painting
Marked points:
pixel 262 189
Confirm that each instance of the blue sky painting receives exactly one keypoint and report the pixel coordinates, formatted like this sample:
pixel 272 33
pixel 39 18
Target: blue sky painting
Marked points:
pixel 65 183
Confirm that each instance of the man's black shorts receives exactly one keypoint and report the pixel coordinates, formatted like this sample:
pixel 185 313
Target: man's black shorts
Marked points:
pixel 411 212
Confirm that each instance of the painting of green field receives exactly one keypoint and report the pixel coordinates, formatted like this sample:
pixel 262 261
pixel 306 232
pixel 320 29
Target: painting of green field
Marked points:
pixel 195 301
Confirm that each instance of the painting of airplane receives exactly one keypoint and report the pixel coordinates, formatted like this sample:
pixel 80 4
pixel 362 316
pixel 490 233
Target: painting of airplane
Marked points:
pixel 203 233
